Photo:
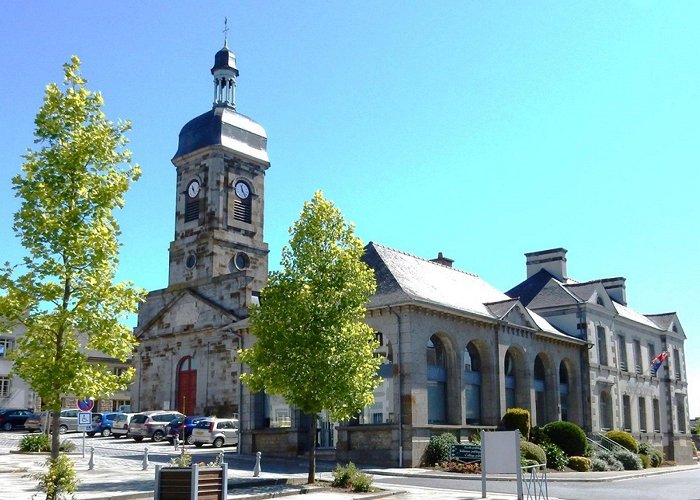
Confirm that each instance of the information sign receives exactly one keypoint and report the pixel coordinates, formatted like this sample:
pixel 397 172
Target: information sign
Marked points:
pixel 465 452
pixel 84 421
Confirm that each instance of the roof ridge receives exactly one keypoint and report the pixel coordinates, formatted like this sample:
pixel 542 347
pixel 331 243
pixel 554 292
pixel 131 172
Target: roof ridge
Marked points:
pixel 661 314
pixel 469 273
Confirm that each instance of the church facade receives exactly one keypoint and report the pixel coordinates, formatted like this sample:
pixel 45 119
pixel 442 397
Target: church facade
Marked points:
pixel 456 352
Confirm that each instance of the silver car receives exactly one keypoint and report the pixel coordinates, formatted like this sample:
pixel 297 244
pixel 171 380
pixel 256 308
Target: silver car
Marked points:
pixel 151 424
pixel 215 431
pixel 120 424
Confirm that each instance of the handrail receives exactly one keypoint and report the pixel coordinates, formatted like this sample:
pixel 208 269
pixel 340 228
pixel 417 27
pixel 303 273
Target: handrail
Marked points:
pixel 607 443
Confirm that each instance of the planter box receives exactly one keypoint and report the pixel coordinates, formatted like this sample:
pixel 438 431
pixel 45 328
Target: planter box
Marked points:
pixel 191 483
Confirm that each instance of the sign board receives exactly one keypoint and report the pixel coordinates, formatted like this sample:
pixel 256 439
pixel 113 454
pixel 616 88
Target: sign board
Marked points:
pixel 465 452
pixel 85 418
pixel 86 404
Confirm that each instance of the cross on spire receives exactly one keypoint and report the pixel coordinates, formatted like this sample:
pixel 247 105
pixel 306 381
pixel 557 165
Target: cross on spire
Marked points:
pixel 225 31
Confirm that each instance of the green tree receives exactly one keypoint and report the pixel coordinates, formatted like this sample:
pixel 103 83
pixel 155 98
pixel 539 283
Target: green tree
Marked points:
pixel 63 292
pixel 313 347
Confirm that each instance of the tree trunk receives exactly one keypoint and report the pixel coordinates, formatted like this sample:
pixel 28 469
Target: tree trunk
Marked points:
pixel 55 433
pixel 312 450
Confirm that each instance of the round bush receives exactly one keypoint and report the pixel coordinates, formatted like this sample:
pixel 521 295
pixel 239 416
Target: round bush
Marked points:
pixel 438 449
pixel 567 436
pixel 624 439
pixel 611 463
pixel 530 451
pixel 556 458
pixel 655 456
pixel 645 460
pixel 538 435
pixel 581 464
pixel 629 460
pixel 599 465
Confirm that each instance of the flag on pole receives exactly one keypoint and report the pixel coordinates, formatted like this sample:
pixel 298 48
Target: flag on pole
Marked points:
pixel 657 361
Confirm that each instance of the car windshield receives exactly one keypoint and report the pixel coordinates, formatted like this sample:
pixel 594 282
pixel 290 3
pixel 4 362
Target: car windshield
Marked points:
pixel 202 424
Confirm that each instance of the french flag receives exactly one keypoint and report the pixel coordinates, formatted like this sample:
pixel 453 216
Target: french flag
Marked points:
pixel 657 361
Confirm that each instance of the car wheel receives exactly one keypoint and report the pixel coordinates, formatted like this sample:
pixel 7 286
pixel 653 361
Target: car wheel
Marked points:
pixel 138 439
pixel 198 445
pixel 7 426
pixel 218 442
pixel 190 439
pixel 106 432
pixel 158 436
pixel 62 429
pixel 90 434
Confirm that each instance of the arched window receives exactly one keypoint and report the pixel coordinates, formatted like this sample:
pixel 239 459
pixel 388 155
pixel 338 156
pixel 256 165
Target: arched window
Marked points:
pixel 472 384
pixel 509 373
pixel 436 381
pixel 606 420
pixel 540 385
pixel 564 391
pixel 186 386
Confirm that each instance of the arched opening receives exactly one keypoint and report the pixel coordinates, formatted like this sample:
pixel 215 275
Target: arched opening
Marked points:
pixel 186 386
pixel 510 381
pixel 436 381
pixel 564 402
pixel 540 385
pixel 606 411
pixel 472 384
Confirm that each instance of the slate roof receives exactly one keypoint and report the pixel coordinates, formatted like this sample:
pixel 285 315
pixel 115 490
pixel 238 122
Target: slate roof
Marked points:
pixel 403 278
pixel 663 320
pixel 528 289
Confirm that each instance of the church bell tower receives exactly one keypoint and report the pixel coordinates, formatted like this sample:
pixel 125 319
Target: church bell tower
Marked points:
pixel 221 162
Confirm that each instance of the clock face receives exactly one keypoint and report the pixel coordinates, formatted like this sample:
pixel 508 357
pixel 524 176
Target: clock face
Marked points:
pixel 193 189
pixel 242 190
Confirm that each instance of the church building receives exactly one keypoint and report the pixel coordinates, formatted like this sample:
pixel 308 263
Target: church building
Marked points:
pixel 456 352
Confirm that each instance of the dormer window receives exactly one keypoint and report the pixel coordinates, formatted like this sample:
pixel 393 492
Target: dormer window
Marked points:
pixel 599 301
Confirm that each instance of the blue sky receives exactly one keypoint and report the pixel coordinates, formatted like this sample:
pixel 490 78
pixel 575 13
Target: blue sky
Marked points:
pixel 480 129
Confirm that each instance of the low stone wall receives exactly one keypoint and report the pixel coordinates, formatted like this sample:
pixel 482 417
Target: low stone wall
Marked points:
pixel 282 442
pixel 368 444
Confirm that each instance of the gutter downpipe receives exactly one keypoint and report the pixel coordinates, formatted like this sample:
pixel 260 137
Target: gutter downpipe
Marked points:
pixel 240 387
pixel 398 363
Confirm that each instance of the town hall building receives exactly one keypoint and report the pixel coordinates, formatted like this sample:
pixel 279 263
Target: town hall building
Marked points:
pixel 456 352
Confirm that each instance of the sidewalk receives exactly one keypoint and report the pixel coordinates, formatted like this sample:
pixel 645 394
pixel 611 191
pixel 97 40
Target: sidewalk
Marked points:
pixel 124 479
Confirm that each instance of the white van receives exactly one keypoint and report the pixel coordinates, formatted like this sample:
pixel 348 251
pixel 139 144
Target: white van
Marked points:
pixel 215 431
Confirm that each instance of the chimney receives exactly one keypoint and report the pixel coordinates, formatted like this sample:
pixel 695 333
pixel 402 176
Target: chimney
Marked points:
pixel 552 261
pixel 441 259
pixel 616 289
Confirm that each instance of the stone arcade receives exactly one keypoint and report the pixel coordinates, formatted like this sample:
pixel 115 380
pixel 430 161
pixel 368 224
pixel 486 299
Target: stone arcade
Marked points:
pixel 456 351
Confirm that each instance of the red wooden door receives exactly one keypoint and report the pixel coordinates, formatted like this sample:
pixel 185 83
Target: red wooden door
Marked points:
pixel 186 387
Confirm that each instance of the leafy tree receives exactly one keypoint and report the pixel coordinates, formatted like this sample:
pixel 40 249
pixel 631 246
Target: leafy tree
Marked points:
pixel 313 347
pixel 63 293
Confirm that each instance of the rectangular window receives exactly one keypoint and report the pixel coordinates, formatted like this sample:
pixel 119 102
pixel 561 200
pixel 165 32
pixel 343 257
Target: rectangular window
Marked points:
pixel 642 415
pixel 5 346
pixel 638 357
pixel 626 413
pixel 4 387
pixel 602 346
pixel 677 363
pixel 622 353
pixel 657 415
pixel 652 352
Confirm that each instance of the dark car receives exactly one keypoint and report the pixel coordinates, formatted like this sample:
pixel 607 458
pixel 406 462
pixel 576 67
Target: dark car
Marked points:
pixel 151 424
pixel 182 427
pixel 13 417
pixel 102 423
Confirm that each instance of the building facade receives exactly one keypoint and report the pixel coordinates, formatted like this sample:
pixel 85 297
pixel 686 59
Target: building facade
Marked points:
pixel 456 352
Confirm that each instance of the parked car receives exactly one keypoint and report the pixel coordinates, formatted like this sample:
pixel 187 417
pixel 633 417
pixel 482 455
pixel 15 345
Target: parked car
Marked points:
pixel 120 424
pixel 13 417
pixel 182 427
pixel 215 431
pixel 102 424
pixel 151 424
pixel 68 422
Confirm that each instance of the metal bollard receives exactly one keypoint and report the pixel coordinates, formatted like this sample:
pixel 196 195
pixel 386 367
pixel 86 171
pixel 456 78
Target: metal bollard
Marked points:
pixel 144 466
pixel 91 463
pixel 256 469
pixel 176 442
pixel 220 458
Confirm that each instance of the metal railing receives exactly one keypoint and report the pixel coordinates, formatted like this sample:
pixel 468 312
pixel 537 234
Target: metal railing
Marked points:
pixel 535 482
pixel 605 443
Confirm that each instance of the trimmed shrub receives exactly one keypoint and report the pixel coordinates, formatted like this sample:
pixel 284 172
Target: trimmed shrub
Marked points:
pixel 623 439
pixel 556 458
pixel 629 460
pixel 531 451
pixel 517 418
pixel 361 482
pixel 438 449
pixel 645 460
pixel 568 436
pixel 656 457
pixel 611 463
pixel 581 464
